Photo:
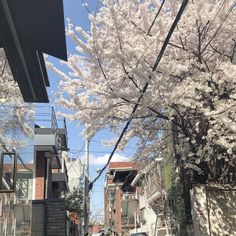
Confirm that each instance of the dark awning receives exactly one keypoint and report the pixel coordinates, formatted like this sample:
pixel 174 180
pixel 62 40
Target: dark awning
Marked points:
pixel 124 176
pixel 29 28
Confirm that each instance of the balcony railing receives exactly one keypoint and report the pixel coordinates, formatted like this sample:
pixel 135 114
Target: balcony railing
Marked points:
pixel 127 221
pixel 129 196
pixel 47 123
pixel 60 175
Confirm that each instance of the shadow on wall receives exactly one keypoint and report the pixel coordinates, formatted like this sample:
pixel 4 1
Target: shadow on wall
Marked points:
pixel 214 210
pixel 222 211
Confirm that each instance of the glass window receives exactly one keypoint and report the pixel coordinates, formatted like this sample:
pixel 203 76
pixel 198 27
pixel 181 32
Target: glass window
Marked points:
pixel 8 172
pixel 22 185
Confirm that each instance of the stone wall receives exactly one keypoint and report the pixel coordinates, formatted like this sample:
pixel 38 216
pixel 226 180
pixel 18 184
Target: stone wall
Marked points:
pixel 48 218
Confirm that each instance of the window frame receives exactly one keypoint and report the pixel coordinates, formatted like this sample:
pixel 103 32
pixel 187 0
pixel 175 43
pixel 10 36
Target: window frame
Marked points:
pixel 13 189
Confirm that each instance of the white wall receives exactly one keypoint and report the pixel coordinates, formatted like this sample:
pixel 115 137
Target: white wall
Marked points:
pixel 74 172
pixel 150 217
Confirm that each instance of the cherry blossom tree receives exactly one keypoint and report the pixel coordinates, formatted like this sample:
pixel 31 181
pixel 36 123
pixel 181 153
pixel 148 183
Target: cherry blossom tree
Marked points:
pixel 193 86
pixel 16 116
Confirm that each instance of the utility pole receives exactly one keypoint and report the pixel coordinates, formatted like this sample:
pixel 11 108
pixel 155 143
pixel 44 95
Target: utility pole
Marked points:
pixel 81 187
pixel 86 187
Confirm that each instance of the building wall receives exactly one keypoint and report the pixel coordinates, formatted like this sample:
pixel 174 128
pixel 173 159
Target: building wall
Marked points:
pixel 48 218
pixel 106 210
pixel 15 206
pixel 150 185
pixel 149 216
pixel 40 173
pixel 56 218
pixel 74 168
pixel 117 216
pixel 214 210
pixel 49 181
pixel 43 177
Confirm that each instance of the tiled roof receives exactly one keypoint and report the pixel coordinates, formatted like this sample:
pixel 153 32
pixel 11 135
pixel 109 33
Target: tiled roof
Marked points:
pixel 122 165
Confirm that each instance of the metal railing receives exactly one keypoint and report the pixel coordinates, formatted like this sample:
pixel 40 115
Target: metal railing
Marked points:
pixel 46 117
pixel 129 196
pixel 127 221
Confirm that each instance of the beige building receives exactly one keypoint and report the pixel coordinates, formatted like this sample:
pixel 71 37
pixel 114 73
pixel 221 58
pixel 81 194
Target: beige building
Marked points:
pixel 151 195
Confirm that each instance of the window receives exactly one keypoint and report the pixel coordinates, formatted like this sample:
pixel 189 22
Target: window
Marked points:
pixel 8 172
pixel 142 216
pixel 22 185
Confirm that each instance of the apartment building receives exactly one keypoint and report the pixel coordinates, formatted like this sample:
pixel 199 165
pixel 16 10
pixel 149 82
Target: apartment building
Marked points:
pixel 50 180
pixel 33 180
pixel 24 30
pixel 16 173
pixel 120 198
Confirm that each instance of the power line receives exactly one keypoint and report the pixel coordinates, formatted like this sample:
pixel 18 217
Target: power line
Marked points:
pixel 74 162
pixel 94 151
pixel 100 142
pixel 174 25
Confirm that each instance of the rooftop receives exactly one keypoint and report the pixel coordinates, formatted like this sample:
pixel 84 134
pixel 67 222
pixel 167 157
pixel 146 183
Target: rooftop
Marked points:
pixel 123 165
pixel 20 167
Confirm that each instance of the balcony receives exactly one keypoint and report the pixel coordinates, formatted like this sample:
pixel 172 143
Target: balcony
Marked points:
pixel 161 231
pixel 129 196
pixel 62 132
pixel 50 132
pixel 61 179
pixel 128 208
pixel 127 222
pixel 46 140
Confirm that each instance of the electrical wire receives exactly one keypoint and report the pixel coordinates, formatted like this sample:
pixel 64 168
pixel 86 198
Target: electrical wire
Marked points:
pixel 74 162
pixel 4 67
pixel 159 57
pixel 99 142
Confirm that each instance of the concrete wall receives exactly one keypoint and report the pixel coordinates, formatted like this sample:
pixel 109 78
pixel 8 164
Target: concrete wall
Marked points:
pixel 74 173
pixel 214 210
pixel 48 218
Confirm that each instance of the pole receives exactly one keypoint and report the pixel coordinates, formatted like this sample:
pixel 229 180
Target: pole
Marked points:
pixel 155 232
pixel 135 221
pixel 86 187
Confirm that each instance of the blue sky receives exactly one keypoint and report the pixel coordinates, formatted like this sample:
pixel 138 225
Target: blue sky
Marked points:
pixel 98 154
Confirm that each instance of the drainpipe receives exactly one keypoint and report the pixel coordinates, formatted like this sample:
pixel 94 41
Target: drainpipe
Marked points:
pixel 46 182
